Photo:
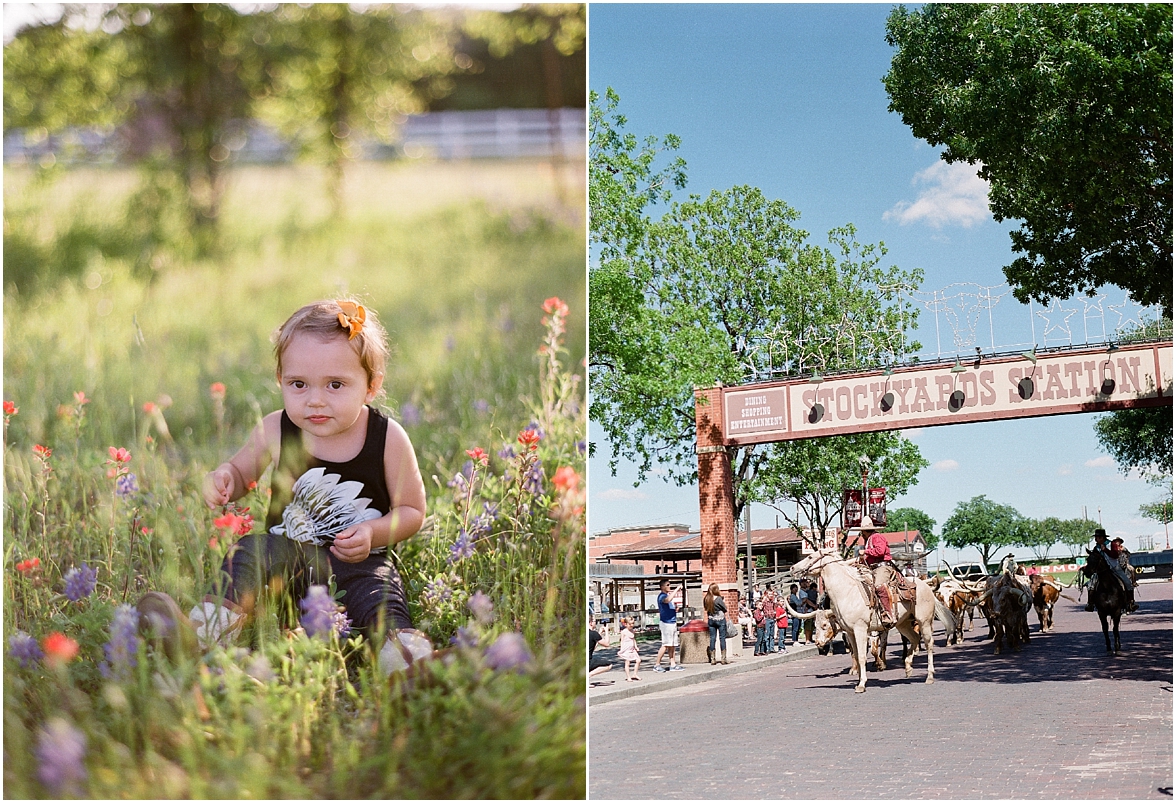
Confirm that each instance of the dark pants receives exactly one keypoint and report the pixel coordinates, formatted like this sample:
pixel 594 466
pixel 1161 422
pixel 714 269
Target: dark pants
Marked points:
pixel 373 591
pixel 718 630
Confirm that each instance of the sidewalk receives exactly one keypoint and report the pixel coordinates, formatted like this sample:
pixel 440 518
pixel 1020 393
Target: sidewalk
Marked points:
pixel 601 691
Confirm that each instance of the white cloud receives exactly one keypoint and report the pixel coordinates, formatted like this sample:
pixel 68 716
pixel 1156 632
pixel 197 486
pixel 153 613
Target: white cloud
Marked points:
pixel 617 494
pixel 1106 461
pixel 945 465
pixel 1065 470
pixel 953 194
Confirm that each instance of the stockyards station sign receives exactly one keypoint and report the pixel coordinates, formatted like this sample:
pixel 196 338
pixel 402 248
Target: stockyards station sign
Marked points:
pixel 1085 380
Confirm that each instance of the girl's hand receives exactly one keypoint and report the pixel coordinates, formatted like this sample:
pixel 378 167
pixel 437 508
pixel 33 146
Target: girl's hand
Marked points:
pixel 218 487
pixel 353 544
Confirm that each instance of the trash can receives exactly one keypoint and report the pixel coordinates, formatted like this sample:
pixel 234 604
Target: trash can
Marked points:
pixel 693 639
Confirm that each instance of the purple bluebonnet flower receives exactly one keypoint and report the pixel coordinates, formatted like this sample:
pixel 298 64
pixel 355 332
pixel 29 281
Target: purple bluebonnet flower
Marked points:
pixel 123 647
pixel 80 582
pixel 509 651
pixel 581 446
pixel 25 649
pixel 126 486
pixel 533 482
pixel 462 548
pixel 410 414
pixel 481 406
pixel 341 622
pixel 450 342
pixel 507 453
pixel 481 607
pixel 465 638
pixel 60 750
pixel 318 611
pixel 461 480
pixel 438 590
pixel 483 523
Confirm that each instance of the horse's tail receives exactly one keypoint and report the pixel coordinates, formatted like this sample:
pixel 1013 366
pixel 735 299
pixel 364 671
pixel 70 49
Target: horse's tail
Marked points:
pixel 944 614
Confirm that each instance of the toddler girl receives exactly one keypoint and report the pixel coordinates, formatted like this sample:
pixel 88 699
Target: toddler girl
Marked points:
pixel 628 651
pixel 345 487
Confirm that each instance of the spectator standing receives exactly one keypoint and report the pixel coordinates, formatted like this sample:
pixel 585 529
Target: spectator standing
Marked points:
pixel 809 600
pixel 716 621
pixel 667 610
pixel 794 599
pixel 628 651
pixel 768 603
pixel 781 626
pixel 765 617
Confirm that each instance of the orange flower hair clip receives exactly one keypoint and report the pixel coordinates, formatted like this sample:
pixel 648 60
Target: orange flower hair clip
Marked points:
pixel 351 318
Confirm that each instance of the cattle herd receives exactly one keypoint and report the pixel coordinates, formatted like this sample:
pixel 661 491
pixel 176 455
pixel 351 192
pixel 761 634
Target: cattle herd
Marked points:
pixel 1004 599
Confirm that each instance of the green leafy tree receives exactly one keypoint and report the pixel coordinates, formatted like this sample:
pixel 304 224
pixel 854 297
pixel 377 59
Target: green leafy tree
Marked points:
pixel 1074 534
pixel 1139 439
pixel 1160 511
pixel 1043 535
pixel 183 74
pixel 804 479
pixel 909 518
pixel 338 73
pixel 1066 110
pixel 985 526
pixel 704 295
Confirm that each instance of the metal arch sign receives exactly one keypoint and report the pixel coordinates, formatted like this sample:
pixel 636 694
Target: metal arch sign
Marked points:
pixel 1082 380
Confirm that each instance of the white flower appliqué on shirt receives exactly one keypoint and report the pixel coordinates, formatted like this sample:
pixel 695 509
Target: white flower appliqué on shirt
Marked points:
pixel 322 507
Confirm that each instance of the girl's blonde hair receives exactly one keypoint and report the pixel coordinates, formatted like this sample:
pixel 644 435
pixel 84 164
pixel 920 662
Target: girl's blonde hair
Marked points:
pixel 322 319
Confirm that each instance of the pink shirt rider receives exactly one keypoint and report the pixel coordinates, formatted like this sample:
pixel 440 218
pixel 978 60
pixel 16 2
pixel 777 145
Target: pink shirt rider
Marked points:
pixel 877 550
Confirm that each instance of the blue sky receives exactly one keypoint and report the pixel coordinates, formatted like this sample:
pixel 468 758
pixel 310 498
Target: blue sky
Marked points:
pixel 789 98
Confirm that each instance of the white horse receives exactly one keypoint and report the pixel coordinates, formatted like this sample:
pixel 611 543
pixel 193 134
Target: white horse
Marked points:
pixel 851 607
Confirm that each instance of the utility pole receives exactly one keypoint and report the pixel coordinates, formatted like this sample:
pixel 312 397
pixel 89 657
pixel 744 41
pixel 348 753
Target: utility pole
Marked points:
pixel 747 533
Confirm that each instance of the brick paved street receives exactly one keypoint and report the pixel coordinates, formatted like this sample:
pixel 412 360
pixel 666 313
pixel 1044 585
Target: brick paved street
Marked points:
pixel 1059 720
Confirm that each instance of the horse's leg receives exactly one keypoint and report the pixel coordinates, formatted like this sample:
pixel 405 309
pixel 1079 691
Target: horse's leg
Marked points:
pixel 880 649
pixel 929 642
pixel 1117 615
pixel 1102 617
pixel 860 637
pixel 906 628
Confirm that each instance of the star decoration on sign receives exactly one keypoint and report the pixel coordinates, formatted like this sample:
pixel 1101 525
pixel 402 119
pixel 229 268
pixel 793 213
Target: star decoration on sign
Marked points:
pixel 1055 312
pixel 1129 314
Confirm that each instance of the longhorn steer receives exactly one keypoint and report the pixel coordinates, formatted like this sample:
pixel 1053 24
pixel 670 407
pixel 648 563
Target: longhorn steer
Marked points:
pixel 1045 595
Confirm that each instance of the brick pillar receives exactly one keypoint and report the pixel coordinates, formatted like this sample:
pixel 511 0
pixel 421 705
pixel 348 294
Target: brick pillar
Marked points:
pixel 716 498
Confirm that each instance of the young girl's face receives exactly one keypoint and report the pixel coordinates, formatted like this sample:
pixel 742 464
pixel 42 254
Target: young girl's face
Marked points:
pixel 324 385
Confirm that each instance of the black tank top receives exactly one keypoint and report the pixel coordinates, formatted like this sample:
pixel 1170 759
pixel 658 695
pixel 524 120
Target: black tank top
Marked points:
pixel 312 499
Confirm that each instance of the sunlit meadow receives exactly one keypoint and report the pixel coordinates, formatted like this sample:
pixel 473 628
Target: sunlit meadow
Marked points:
pixel 133 368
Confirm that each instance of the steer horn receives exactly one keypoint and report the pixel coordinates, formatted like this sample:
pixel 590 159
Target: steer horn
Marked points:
pixel 799 615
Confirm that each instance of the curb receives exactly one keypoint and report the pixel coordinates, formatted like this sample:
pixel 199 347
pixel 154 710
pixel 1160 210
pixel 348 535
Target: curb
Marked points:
pixel 660 682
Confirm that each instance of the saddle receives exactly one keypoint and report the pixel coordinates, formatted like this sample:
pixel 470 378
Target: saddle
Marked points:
pixel 900 589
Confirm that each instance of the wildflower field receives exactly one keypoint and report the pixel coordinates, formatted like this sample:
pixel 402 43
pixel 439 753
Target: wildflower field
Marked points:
pixel 133 366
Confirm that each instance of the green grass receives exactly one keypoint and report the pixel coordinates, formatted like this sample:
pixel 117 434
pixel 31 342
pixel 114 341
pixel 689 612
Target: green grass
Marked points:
pixel 457 261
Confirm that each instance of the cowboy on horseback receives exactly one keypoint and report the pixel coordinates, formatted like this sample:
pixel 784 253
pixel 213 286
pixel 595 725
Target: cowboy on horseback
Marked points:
pixel 876 556
pixel 1113 563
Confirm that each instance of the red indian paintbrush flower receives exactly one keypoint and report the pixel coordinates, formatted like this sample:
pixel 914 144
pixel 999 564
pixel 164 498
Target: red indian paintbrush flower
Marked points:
pixel 10 408
pixel 479 455
pixel 566 479
pixel 59 648
pixel 28 566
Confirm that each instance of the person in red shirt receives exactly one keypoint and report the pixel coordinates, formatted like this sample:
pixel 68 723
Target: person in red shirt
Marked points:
pixel 877 556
